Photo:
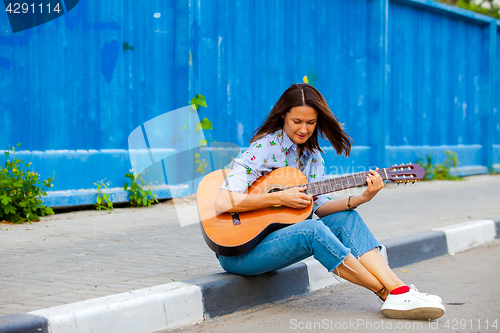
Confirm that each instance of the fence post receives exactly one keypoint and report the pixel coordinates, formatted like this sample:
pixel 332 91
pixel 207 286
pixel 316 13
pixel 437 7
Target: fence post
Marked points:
pixel 378 46
pixel 490 72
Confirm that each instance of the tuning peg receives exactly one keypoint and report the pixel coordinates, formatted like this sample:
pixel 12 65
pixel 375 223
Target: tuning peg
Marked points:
pixel 413 183
pixel 406 184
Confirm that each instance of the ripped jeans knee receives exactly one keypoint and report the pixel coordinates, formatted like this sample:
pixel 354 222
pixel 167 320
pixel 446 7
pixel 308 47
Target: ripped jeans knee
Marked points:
pixel 336 271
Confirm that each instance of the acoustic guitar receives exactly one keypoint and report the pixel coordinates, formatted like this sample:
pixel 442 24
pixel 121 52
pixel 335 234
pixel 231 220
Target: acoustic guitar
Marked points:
pixel 232 234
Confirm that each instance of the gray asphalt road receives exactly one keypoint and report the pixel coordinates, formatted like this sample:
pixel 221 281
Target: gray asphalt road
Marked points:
pixel 467 282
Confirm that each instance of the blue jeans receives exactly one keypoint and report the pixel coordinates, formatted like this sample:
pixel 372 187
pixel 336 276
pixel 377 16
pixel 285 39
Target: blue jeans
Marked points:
pixel 329 240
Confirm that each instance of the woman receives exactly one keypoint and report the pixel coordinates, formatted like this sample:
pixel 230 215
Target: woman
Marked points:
pixel 339 240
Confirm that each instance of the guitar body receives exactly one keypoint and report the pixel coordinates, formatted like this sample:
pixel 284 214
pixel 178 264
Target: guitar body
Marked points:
pixel 229 236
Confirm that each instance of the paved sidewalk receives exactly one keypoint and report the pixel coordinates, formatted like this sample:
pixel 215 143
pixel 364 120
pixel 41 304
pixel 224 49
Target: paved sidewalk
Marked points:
pixel 82 255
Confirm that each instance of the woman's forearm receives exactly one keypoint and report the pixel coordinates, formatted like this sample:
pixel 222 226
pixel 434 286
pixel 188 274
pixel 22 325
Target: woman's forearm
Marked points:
pixel 335 206
pixel 228 201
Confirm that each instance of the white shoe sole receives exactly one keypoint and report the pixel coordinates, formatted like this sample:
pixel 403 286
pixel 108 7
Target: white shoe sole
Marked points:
pixel 430 313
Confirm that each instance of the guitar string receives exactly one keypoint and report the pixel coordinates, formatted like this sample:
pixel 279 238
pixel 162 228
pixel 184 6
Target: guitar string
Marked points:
pixel 342 181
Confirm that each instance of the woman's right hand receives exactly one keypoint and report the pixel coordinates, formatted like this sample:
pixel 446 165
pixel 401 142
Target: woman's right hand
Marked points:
pixel 295 198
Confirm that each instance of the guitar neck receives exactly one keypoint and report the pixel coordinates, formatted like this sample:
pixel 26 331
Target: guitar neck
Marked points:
pixel 341 183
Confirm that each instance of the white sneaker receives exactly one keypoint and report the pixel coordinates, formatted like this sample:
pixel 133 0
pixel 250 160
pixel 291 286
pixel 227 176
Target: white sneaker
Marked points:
pixel 413 305
pixel 430 297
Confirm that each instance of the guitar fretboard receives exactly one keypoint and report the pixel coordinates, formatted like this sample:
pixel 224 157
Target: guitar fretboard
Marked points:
pixel 340 183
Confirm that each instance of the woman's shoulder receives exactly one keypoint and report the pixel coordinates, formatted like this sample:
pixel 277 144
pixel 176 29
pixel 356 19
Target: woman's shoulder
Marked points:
pixel 269 139
pixel 263 152
pixel 316 154
pixel 317 159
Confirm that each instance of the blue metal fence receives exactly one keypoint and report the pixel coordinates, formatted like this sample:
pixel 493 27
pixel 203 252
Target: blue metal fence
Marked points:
pixel 407 77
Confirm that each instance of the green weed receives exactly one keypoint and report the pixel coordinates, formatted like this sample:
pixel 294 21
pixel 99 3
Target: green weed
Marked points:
pixel 440 171
pixel 139 197
pixel 104 200
pixel 21 191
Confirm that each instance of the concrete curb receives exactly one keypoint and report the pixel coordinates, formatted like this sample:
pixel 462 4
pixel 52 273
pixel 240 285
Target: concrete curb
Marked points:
pixel 226 293
pixel 178 303
pixel 24 322
pixel 463 236
pixel 416 247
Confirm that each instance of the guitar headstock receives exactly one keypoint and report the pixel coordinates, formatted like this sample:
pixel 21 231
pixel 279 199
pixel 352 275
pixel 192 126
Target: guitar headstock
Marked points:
pixel 405 173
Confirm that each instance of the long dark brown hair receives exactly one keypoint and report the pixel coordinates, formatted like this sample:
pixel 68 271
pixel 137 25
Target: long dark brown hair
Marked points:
pixel 303 94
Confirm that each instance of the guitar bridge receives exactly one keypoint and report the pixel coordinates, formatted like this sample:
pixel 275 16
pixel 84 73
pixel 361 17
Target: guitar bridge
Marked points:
pixel 236 218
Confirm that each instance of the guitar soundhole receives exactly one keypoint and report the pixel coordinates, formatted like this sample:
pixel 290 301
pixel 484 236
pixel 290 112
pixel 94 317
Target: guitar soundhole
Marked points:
pixel 275 207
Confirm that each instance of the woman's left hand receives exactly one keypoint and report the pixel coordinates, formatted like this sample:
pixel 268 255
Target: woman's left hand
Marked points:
pixel 375 184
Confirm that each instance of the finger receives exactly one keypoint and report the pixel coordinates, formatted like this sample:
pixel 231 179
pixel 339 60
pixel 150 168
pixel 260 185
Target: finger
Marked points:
pixel 303 203
pixel 375 176
pixel 378 183
pixel 302 188
pixel 307 197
